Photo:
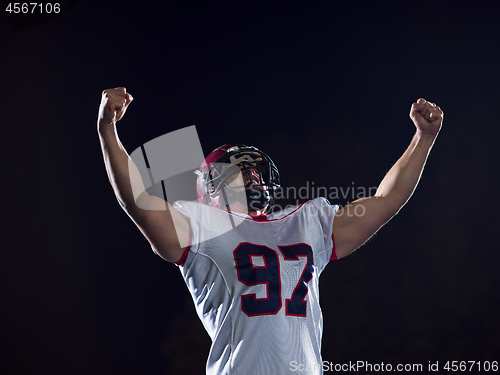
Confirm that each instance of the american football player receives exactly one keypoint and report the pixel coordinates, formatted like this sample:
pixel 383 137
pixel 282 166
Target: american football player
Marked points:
pixel 254 274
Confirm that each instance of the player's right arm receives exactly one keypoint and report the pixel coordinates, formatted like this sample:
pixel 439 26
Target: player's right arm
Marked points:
pixel 163 226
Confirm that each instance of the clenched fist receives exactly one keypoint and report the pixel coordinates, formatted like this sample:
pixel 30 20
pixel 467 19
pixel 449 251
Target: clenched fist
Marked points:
pixel 427 117
pixel 114 103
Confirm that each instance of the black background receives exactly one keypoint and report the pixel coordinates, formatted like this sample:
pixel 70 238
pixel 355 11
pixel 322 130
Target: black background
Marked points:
pixel 324 88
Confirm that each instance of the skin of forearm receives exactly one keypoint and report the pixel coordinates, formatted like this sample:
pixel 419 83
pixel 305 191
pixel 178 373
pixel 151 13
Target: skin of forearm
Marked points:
pixel 118 162
pixel 400 182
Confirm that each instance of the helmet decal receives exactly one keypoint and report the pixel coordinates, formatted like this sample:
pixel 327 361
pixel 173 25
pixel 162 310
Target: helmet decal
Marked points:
pixel 236 161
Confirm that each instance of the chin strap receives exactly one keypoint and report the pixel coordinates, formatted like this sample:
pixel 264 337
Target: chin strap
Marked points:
pixel 258 199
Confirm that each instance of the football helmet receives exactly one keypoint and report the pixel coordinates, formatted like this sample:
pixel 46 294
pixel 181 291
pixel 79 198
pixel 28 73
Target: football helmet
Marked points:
pixel 216 176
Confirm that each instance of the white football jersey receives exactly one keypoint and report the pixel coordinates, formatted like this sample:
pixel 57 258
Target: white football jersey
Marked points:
pixel 254 283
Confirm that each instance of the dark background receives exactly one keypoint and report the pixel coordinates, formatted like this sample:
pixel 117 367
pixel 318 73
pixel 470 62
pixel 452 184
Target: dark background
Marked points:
pixel 323 87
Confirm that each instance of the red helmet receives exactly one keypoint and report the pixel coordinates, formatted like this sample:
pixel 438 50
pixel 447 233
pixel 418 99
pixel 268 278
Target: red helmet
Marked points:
pixel 220 164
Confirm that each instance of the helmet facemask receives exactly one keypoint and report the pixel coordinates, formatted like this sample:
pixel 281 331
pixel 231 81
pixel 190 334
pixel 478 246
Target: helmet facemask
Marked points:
pixel 243 174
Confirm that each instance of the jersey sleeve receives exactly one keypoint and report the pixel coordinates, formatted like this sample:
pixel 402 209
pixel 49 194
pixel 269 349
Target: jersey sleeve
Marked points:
pixel 326 215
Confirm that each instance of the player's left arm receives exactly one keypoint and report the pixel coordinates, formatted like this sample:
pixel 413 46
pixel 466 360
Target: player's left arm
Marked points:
pixel 354 225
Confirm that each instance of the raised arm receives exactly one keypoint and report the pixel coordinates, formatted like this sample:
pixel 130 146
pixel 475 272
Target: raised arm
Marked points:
pixel 354 225
pixel 165 228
